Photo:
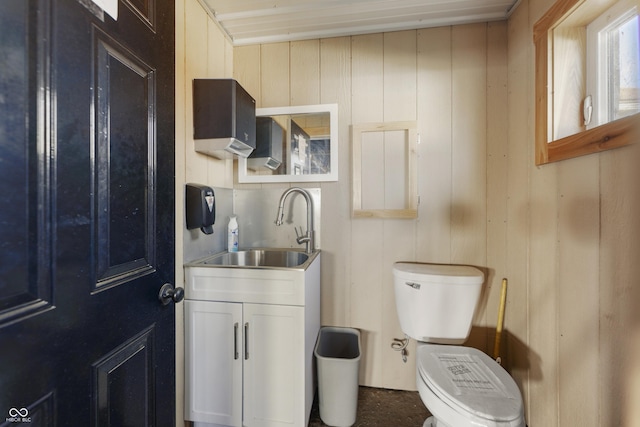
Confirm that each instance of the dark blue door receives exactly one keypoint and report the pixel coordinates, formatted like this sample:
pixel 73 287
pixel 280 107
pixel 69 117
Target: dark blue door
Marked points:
pixel 87 213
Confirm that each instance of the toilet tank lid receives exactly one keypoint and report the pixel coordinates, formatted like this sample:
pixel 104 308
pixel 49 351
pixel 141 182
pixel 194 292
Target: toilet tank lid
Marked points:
pixel 440 273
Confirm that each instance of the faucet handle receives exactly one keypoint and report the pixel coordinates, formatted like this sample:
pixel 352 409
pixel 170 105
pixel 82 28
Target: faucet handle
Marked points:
pixel 301 238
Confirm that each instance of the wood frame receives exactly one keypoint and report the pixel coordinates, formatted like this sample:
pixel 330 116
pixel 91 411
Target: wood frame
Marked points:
pixel 410 210
pixel 610 135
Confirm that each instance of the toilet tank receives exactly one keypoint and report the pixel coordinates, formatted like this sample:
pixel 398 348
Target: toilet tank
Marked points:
pixel 435 302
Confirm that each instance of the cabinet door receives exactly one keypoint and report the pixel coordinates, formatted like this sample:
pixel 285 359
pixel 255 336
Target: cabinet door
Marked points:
pixel 274 366
pixel 213 343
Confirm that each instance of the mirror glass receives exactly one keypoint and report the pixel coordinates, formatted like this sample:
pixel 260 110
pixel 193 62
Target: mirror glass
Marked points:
pixel 293 144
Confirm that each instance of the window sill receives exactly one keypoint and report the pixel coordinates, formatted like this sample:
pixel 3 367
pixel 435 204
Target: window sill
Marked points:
pixel 605 137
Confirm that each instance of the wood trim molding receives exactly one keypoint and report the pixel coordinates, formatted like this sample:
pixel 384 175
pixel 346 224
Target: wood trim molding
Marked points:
pixel 604 137
pixel 410 209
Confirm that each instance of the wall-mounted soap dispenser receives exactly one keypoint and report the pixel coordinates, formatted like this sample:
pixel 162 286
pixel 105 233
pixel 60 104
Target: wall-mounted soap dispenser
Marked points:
pixel 224 118
pixel 269 141
pixel 200 207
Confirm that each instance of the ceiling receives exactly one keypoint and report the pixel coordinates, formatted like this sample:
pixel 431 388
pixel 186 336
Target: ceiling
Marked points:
pixel 267 21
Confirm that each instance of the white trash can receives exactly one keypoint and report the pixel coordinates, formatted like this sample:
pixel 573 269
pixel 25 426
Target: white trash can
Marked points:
pixel 338 359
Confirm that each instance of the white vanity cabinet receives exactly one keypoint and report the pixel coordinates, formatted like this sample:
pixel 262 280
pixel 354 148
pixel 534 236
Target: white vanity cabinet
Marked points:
pixel 249 338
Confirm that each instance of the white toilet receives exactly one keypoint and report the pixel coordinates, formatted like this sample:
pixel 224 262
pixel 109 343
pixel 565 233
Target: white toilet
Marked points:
pixel 460 386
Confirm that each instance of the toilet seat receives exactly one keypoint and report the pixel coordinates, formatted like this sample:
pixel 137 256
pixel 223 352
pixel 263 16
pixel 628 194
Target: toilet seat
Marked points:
pixel 464 383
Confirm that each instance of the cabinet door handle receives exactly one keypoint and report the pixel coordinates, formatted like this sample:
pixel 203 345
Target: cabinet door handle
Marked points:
pixel 235 341
pixel 246 341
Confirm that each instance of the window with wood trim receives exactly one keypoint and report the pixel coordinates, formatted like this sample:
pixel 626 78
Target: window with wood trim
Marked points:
pixel 562 102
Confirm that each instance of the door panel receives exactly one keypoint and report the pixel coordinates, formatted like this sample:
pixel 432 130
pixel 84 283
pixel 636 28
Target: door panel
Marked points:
pixel 123 384
pixel 124 163
pixel 87 165
pixel 26 288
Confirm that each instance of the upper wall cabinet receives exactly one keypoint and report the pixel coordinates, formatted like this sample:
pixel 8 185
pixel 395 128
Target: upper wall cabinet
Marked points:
pixel 587 78
pixel 295 144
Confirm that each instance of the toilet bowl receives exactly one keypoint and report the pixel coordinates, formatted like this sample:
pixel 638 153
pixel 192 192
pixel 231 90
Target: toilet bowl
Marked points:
pixel 460 386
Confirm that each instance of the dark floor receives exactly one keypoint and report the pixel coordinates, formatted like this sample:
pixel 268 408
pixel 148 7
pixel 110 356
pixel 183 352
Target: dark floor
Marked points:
pixel 378 407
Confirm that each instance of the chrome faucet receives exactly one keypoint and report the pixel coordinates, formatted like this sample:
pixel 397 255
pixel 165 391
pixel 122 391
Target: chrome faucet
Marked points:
pixel 309 237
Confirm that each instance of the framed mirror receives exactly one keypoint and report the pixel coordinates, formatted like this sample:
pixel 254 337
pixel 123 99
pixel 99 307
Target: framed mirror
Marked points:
pixel 587 80
pixel 293 144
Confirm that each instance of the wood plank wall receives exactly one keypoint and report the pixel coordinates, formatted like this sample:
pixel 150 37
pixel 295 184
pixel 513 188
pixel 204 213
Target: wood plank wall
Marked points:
pixel 452 81
pixel 573 244
pixel 202 51
pixel 565 234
